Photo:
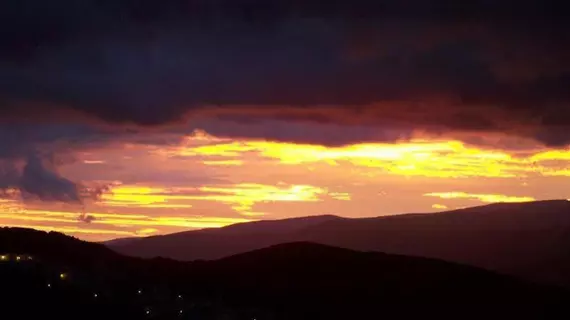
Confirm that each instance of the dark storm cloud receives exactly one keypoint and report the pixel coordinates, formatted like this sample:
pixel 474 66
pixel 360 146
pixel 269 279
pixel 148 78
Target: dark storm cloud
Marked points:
pixel 31 154
pixel 438 65
pixel 329 134
pixel 38 179
pixel 20 140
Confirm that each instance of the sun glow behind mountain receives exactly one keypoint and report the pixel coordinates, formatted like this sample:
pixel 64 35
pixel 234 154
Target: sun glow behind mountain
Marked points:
pixel 206 181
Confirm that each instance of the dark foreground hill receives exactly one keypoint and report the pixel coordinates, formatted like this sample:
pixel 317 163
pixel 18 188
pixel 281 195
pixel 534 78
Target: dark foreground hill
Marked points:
pixel 529 240
pixel 48 275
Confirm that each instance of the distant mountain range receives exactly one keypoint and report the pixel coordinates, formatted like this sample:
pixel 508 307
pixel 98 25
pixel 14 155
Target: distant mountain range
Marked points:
pixel 297 281
pixel 528 240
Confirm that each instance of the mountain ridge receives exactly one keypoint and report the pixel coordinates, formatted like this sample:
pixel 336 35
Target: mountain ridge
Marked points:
pixel 336 217
pixel 521 239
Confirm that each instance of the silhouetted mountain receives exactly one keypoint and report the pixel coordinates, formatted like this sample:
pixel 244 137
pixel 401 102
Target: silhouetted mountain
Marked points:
pixel 217 242
pixel 288 281
pixel 272 226
pixel 119 241
pixel 529 240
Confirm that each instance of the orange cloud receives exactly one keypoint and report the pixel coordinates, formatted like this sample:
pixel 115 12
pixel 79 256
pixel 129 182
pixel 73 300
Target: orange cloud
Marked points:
pixel 111 223
pixel 144 197
pixel 223 163
pixel 344 196
pixel 242 197
pixel 487 198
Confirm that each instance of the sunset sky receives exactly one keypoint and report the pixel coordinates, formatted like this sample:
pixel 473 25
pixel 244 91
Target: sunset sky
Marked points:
pixel 206 181
pixel 134 120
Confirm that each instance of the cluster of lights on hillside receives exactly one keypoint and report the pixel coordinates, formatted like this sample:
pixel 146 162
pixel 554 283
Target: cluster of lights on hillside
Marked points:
pixel 13 257
pixel 64 276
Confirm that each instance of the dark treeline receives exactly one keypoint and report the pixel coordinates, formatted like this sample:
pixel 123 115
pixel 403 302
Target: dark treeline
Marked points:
pixel 62 277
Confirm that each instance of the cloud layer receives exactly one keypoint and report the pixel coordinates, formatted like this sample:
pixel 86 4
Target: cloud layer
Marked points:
pixel 428 65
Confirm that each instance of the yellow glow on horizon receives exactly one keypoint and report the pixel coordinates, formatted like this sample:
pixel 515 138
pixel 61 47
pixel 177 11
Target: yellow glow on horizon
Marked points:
pixel 147 231
pixel 71 230
pixel 487 198
pixel 124 219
